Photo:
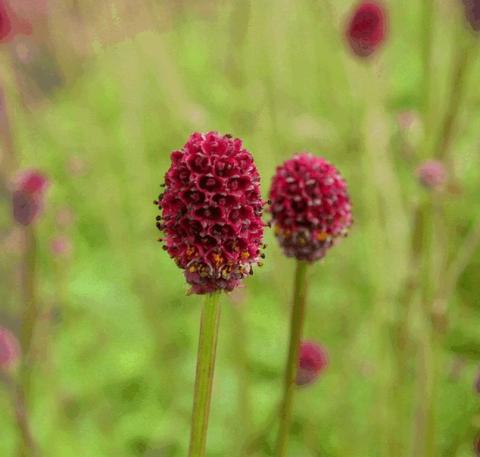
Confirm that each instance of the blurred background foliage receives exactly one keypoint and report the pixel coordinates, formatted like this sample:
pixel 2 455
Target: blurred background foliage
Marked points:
pixel 99 95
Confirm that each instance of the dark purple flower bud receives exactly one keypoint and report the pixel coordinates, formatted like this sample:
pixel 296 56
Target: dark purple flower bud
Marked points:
pixel 9 349
pixel 312 361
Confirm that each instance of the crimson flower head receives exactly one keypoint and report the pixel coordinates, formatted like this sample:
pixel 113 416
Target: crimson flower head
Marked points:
pixel 310 206
pixel 312 360
pixel 367 28
pixel 211 212
pixel 432 174
pixel 472 13
pixel 9 349
pixel 27 197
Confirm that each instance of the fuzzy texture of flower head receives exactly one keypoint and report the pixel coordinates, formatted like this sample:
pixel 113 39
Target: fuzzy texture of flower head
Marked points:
pixel 312 361
pixel 432 174
pixel 211 212
pixel 27 196
pixel 472 13
pixel 310 206
pixel 367 28
pixel 9 349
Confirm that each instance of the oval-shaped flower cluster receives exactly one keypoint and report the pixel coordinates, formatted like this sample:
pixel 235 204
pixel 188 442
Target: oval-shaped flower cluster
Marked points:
pixel 211 212
pixel 367 28
pixel 312 360
pixel 310 206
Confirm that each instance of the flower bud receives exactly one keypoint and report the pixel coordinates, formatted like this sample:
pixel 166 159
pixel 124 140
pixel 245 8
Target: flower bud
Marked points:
pixel 367 28
pixel 313 359
pixel 9 349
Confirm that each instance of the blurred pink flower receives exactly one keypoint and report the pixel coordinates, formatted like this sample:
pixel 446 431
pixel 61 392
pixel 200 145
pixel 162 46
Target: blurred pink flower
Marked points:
pixel 27 196
pixel 9 349
pixel 432 174
pixel 11 24
pixel 61 246
pixel 312 361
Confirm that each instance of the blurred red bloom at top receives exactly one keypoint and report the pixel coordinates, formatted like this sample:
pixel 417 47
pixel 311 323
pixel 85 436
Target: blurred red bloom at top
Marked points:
pixel 367 28
pixel 27 197
pixel 10 24
pixel 472 13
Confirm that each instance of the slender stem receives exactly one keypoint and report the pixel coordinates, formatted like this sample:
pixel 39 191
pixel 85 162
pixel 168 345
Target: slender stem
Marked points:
pixel 30 306
pixel 296 330
pixel 461 65
pixel 207 348
pixel 27 446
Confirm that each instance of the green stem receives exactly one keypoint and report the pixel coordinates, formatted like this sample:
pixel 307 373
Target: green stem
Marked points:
pixel 207 348
pixel 463 60
pixel 296 330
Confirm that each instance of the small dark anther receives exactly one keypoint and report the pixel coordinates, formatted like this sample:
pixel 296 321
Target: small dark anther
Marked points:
pixel 164 248
pixel 262 256
pixel 158 218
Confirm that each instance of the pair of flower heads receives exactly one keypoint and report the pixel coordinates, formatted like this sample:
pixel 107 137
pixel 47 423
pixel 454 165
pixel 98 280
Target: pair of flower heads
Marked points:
pixel 211 210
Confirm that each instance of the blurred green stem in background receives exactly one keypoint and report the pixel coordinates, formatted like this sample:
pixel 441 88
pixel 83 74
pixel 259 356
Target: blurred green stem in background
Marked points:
pixel 207 348
pixel 30 306
pixel 296 330
pixel 462 61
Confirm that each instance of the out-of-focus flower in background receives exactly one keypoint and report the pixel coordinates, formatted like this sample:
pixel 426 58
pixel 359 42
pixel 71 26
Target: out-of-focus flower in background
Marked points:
pixel 367 28
pixel 472 13
pixel 61 246
pixel 11 24
pixel 9 349
pixel 27 196
pixel 312 361
pixel 432 174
